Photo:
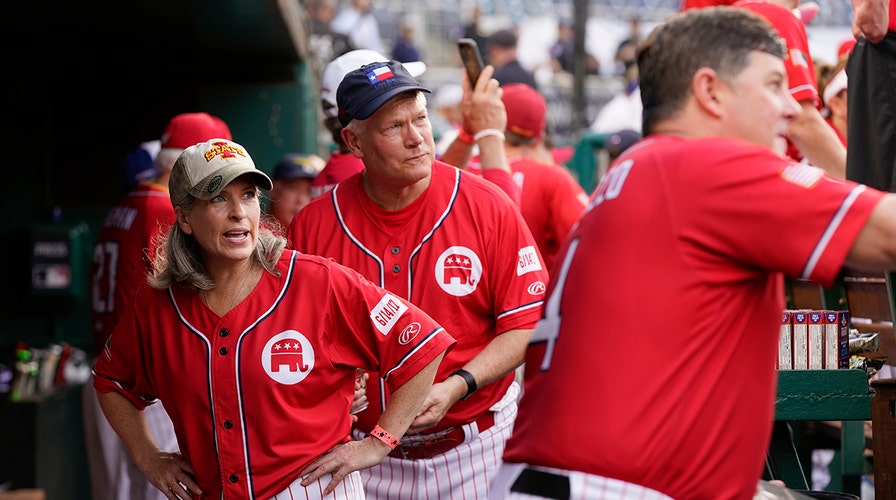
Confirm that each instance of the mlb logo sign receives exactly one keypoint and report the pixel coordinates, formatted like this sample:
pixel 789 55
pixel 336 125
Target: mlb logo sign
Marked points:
pixel 380 74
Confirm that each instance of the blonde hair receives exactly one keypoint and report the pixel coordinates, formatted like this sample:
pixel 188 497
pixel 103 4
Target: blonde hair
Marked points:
pixel 179 259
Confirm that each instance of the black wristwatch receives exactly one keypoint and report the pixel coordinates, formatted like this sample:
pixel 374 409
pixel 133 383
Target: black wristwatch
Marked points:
pixel 468 378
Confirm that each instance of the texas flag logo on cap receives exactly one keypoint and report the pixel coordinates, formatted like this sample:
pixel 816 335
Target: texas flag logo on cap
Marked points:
pixel 380 74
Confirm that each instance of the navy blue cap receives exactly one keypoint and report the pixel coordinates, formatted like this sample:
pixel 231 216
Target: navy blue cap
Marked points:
pixel 618 142
pixel 366 89
pixel 298 165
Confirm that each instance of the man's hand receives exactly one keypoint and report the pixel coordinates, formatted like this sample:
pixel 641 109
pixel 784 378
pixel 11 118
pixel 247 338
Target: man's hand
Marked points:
pixel 871 19
pixel 482 105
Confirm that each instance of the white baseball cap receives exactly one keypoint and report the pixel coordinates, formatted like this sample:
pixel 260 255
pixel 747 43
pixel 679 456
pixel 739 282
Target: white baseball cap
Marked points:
pixel 837 84
pixel 348 62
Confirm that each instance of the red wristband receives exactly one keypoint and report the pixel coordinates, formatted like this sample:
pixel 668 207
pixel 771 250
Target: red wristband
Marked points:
pixel 384 436
pixel 463 136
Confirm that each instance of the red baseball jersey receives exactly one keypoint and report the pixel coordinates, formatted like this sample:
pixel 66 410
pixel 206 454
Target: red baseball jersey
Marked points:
pixel 891 24
pixel 696 4
pixel 799 64
pixel 666 301
pixel 120 255
pixel 461 252
pixel 259 393
pixel 340 166
pixel 498 177
pixel 551 202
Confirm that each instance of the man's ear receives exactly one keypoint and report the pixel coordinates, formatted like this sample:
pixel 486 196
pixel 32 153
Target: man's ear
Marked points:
pixel 707 88
pixel 183 220
pixel 351 141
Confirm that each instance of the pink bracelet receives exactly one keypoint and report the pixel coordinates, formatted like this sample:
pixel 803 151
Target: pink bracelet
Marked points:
pixel 384 436
pixel 463 136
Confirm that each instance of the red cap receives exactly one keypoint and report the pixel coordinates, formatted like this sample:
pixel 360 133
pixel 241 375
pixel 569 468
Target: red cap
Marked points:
pixel 845 47
pixel 189 129
pixel 526 110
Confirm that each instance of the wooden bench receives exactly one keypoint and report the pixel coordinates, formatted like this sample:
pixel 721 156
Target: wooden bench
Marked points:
pixel 869 297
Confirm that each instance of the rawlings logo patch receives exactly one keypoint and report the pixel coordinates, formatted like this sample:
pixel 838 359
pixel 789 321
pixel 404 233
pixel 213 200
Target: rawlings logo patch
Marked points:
pixel 537 288
pixel 409 333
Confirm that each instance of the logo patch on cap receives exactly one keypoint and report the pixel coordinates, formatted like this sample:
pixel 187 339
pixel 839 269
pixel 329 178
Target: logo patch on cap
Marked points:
pixel 380 74
pixel 214 184
pixel 224 150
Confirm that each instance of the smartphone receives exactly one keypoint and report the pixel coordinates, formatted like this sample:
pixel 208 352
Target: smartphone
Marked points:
pixel 471 57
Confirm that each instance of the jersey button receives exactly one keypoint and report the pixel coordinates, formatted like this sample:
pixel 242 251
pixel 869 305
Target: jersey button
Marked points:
pixel 396 268
pixel 233 478
pixel 228 424
pixel 224 332
pixel 222 351
pixel 395 250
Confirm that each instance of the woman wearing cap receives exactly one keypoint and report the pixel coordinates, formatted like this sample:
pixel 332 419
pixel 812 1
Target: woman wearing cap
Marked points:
pixel 254 349
pixel 833 90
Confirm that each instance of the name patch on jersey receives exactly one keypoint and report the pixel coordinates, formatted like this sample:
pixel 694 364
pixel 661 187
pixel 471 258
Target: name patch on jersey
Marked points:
pixel 386 312
pixel 528 261
pixel 806 176
pixel 121 218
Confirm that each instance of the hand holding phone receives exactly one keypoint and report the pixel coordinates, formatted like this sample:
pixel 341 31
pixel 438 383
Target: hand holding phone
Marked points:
pixel 471 57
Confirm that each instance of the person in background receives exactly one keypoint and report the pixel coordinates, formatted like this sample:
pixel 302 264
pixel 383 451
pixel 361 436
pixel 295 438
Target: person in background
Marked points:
pixel 563 54
pixel 140 164
pixel 405 48
pixel 121 259
pixel 551 200
pixel 357 22
pixel 449 242
pixel 872 104
pixel 292 178
pixel 809 138
pixel 484 117
pixel 623 110
pixel 674 243
pixel 246 342
pixel 447 105
pixel 833 88
pixel 501 49
pixel 325 44
pixel 618 142
pixel 472 29
pixel 805 11
pixel 342 164
pixel 626 50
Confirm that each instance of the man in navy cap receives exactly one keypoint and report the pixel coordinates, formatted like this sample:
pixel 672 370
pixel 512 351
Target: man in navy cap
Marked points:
pixel 292 185
pixel 453 244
